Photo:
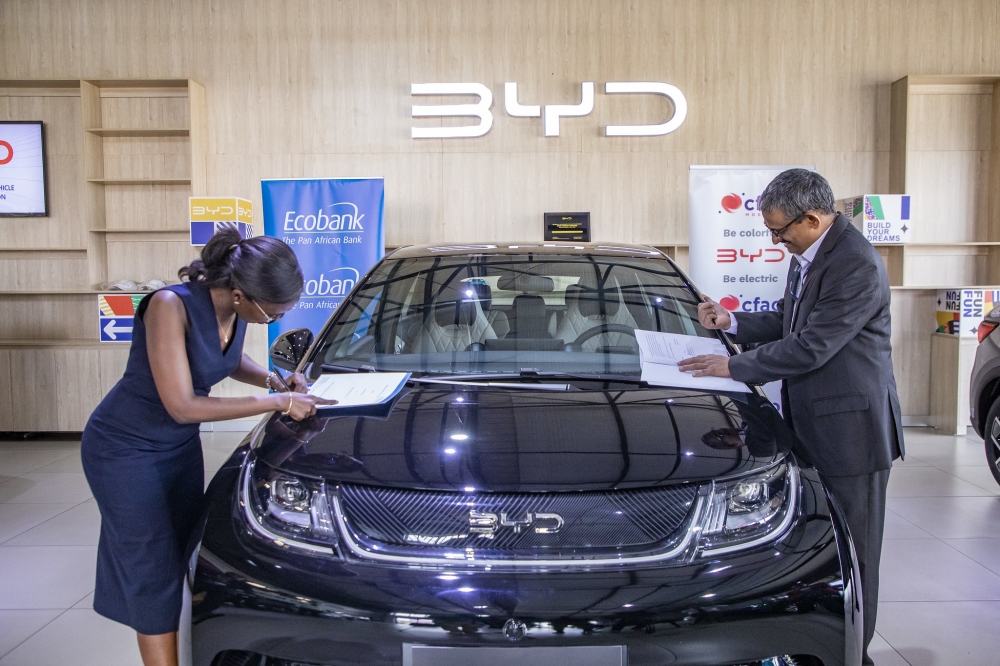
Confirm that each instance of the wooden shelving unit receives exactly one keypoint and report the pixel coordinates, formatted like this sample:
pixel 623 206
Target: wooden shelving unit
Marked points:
pixel 944 153
pixel 124 156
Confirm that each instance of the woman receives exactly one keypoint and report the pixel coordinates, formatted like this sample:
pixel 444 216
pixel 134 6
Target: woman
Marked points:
pixel 141 450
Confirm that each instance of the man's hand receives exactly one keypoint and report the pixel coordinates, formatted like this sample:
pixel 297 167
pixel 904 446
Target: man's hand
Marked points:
pixel 707 365
pixel 713 316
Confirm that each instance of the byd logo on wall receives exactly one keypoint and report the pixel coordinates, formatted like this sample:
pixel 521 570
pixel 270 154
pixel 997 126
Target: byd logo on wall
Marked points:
pixel 552 112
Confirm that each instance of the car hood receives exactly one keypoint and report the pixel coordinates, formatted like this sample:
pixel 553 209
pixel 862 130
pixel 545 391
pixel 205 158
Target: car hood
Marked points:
pixel 455 437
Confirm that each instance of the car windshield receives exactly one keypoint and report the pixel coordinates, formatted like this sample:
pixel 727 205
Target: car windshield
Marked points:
pixel 501 314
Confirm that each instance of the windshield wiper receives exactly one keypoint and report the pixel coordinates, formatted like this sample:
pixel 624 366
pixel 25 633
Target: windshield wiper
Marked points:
pixel 347 368
pixel 529 374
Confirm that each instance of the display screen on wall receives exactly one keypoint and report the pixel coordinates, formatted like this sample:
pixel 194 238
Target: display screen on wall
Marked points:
pixel 22 169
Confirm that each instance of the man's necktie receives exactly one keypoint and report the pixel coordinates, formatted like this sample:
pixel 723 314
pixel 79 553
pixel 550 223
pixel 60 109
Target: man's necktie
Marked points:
pixel 794 277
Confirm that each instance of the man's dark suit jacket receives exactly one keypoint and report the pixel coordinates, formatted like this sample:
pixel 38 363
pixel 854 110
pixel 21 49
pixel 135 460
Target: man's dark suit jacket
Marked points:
pixel 839 392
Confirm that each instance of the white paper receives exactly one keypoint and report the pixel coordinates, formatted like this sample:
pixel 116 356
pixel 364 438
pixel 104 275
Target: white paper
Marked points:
pixel 659 354
pixel 358 389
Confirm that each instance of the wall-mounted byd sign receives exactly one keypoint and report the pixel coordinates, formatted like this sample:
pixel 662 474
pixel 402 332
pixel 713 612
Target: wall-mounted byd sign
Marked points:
pixel 567 227
pixel 551 113
pixel 211 214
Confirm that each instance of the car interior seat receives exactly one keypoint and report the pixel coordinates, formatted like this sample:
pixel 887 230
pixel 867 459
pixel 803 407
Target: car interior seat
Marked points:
pixel 588 307
pixel 458 320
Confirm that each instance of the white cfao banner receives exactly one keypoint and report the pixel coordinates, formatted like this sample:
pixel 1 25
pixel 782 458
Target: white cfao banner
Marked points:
pixel 733 260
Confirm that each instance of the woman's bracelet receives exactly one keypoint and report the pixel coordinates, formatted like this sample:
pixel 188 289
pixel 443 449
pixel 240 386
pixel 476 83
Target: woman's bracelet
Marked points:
pixel 289 410
pixel 267 382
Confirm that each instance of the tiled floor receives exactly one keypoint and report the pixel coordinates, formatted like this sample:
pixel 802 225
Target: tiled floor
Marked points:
pixel 939 606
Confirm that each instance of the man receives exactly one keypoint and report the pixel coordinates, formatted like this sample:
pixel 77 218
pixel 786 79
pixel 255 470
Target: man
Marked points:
pixel 829 344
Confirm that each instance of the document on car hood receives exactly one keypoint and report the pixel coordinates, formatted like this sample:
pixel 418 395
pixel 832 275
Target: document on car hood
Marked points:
pixel 359 389
pixel 659 354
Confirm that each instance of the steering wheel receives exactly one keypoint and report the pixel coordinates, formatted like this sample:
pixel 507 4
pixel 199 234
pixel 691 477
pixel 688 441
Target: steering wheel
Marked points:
pixel 577 344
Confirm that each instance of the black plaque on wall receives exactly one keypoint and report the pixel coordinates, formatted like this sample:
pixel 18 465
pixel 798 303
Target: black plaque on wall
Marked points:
pixel 567 227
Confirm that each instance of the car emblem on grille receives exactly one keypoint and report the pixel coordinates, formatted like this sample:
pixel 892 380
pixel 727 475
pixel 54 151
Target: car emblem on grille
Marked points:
pixel 486 524
pixel 514 629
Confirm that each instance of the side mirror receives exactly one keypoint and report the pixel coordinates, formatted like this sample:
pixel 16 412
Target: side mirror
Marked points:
pixel 290 348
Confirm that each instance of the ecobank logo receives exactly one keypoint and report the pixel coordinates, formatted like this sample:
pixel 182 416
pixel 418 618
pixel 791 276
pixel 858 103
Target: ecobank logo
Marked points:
pixel 7 151
pixel 342 217
pixel 335 283
pixel 733 203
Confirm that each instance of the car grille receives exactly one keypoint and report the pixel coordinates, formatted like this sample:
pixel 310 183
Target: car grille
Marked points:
pixel 515 525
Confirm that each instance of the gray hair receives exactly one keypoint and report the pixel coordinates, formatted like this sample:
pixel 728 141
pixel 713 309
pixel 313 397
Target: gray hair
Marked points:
pixel 796 191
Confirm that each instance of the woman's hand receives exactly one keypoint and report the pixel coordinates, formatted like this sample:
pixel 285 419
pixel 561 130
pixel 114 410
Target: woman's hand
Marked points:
pixel 301 405
pixel 297 382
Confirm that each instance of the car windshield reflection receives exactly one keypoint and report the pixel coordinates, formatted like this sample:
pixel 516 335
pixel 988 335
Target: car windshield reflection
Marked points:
pixel 508 313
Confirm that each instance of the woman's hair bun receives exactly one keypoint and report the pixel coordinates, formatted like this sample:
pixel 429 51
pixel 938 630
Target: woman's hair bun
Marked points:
pixel 265 269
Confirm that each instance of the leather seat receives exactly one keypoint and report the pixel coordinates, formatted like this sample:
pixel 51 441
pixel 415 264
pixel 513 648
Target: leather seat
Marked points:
pixel 458 319
pixel 588 307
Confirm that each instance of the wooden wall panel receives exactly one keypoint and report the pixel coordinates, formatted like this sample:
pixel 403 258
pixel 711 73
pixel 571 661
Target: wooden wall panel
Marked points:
pixel 146 206
pixel 141 260
pixel 48 317
pixel 944 266
pixel 130 111
pixel 37 271
pixel 913 324
pixel 145 157
pixel 6 407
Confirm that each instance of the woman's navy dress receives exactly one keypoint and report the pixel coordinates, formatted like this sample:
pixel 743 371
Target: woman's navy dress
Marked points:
pixel 147 473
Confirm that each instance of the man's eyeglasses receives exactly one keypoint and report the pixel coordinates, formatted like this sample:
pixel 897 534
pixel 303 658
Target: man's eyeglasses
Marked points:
pixel 268 319
pixel 776 233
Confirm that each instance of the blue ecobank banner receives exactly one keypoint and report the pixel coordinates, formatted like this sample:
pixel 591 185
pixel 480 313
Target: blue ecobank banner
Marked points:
pixel 335 229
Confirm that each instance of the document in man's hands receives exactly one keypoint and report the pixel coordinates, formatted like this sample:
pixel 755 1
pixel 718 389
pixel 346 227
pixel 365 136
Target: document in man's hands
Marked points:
pixel 659 354
pixel 359 389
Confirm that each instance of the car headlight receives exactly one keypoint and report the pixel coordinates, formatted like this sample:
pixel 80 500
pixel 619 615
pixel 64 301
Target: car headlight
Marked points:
pixel 288 510
pixel 751 510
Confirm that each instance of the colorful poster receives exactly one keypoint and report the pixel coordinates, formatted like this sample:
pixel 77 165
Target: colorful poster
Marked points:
pixel 115 314
pixel 960 311
pixel 209 215
pixel 882 218
pixel 335 228
pixel 732 257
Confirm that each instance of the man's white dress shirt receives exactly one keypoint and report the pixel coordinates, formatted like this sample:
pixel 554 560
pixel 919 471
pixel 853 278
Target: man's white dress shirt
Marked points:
pixel 805 260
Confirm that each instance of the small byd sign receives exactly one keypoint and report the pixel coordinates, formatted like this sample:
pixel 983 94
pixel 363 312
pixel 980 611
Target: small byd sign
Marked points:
pixel 209 215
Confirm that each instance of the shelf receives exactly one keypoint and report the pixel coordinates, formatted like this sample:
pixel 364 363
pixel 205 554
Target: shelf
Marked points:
pixel 140 181
pixel 138 83
pixel 942 287
pixel 960 244
pixel 39 83
pixel 43 249
pixel 57 344
pixel 147 131
pixel 140 231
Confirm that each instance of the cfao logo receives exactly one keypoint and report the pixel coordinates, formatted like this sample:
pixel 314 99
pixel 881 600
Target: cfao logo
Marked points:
pixel 732 203
pixel 729 302
pixel 335 282
pixel 7 152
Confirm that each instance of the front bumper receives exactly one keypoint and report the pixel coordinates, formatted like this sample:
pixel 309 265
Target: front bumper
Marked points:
pixel 788 597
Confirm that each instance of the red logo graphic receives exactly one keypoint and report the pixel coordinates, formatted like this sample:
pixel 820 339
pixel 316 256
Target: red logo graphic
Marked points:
pixel 10 152
pixel 729 302
pixel 732 202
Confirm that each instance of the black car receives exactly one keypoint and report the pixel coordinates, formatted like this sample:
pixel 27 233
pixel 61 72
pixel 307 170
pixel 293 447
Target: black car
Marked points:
pixel 984 388
pixel 527 499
